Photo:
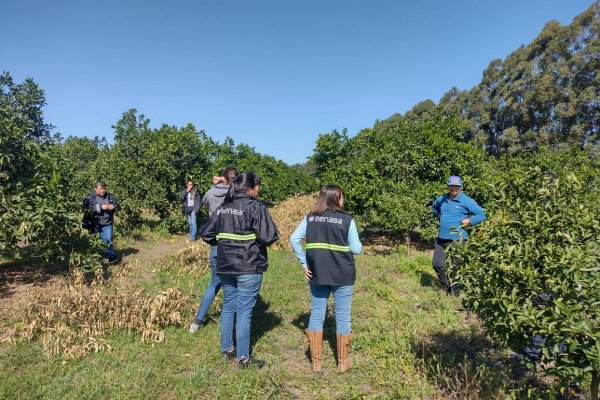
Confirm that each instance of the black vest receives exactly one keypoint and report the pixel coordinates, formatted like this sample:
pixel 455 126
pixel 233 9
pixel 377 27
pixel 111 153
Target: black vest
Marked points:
pixel 327 251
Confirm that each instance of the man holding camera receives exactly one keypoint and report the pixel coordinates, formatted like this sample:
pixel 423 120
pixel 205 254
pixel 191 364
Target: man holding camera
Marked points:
pixel 100 207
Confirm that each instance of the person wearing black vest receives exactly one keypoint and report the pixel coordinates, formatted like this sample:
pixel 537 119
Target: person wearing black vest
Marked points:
pixel 331 241
pixel 241 228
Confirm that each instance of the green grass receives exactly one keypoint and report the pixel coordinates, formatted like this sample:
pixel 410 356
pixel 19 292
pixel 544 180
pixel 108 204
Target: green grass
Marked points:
pixel 410 342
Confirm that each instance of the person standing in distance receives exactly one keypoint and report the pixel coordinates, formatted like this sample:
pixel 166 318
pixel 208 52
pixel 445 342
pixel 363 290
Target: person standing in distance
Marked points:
pixel 213 198
pixel 103 206
pixel 191 204
pixel 241 228
pixel 455 211
pixel 331 240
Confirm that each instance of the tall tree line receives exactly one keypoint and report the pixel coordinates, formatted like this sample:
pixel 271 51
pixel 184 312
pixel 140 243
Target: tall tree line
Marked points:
pixel 545 93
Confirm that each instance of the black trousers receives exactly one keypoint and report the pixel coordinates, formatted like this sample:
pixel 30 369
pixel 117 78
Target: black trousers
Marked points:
pixel 439 261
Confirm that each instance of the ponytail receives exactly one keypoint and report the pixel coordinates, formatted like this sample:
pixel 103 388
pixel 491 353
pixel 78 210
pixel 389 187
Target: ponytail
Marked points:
pixel 242 183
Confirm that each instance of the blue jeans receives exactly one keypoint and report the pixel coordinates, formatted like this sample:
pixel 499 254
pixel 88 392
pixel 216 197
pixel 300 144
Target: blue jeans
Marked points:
pixel 342 301
pixel 239 295
pixel 191 218
pixel 213 287
pixel 106 236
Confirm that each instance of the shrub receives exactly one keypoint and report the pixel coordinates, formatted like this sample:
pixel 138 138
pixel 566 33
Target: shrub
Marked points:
pixel 532 272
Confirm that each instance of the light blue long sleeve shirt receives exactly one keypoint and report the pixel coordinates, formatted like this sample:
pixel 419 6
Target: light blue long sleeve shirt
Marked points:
pixel 300 234
pixel 452 211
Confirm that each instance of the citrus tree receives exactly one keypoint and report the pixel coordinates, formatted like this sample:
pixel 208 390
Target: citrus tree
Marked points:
pixel 391 174
pixel 532 271
pixel 36 215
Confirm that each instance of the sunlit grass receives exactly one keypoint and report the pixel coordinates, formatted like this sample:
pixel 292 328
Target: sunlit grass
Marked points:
pixel 410 342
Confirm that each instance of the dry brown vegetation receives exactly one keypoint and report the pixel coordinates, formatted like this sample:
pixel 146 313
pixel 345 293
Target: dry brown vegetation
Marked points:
pixel 74 315
pixel 288 214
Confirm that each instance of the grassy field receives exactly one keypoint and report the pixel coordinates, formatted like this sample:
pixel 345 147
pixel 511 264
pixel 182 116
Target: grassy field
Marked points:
pixel 410 342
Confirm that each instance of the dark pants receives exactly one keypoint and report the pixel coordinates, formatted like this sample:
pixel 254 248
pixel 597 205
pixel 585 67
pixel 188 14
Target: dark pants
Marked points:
pixel 439 261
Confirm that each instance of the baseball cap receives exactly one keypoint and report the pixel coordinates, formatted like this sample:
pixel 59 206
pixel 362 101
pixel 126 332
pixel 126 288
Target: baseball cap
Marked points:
pixel 454 181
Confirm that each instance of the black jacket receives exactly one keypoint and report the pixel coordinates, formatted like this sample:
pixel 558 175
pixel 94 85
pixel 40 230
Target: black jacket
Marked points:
pixel 94 214
pixel 242 230
pixel 197 200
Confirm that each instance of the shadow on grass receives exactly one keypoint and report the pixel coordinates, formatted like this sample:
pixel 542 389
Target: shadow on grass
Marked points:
pixel 374 237
pixel 127 251
pixel 263 321
pixel 427 280
pixel 469 366
pixel 15 275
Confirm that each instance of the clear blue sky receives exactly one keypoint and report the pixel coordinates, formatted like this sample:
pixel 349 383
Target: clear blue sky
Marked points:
pixel 272 74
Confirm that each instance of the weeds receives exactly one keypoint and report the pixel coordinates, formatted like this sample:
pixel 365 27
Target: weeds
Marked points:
pixel 73 317
pixel 288 214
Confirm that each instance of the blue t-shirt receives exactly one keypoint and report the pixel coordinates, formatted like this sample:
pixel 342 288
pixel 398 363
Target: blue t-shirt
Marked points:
pixel 452 211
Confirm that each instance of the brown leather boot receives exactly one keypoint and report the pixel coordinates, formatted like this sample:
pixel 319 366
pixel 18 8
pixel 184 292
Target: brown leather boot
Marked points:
pixel 315 345
pixel 343 352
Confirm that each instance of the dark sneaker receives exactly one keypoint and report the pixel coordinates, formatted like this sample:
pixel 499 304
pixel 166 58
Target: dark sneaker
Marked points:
pixel 249 362
pixel 229 354
pixel 115 260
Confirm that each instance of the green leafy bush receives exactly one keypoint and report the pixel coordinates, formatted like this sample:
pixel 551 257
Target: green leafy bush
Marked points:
pixel 390 175
pixel 532 272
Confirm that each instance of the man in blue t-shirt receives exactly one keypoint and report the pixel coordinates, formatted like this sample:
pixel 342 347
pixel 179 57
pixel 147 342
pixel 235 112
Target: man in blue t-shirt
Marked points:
pixel 455 210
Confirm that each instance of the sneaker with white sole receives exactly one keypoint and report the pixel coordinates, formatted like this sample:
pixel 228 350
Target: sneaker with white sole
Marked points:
pixel 194 327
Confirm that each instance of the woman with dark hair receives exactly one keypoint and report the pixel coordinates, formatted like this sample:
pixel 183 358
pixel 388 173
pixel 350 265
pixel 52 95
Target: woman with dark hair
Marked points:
pixel 213 198
pixel 331 240
pixel 190 197
pixel 241 228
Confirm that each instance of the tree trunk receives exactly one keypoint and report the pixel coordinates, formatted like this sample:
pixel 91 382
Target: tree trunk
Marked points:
pixel 594 384
pixel 407 239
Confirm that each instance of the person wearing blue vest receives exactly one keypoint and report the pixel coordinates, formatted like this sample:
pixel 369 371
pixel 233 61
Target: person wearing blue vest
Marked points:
pixel 331 241
pixel 456 211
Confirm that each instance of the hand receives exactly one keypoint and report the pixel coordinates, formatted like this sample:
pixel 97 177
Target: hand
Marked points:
pixel 307 274
pixel 104 206
pixel 465 222
pixel 218 179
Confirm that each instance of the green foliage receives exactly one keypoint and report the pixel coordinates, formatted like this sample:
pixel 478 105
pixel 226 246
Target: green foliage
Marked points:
pixel 44 179
pixel 390 176
pixel 329 149
pixel 278 180
pixel 75 158
pixel 35 213
pixel 544 93
pixel 532 272
pixel 146 169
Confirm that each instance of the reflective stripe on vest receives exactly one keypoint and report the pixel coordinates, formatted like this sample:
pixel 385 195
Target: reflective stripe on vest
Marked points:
pixel 327 246
pixel 235 236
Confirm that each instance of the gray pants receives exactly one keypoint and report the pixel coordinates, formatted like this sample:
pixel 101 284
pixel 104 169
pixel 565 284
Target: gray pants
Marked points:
pixel 439 261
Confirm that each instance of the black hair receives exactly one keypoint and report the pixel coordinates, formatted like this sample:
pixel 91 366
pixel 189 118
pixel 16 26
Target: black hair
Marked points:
pixel 100 183
pixel 242 183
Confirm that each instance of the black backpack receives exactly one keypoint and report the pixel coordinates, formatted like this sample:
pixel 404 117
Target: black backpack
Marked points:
pixel 89 222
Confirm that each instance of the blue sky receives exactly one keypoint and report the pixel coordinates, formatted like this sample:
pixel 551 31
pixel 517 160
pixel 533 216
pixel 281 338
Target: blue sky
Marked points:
pixel 271 74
